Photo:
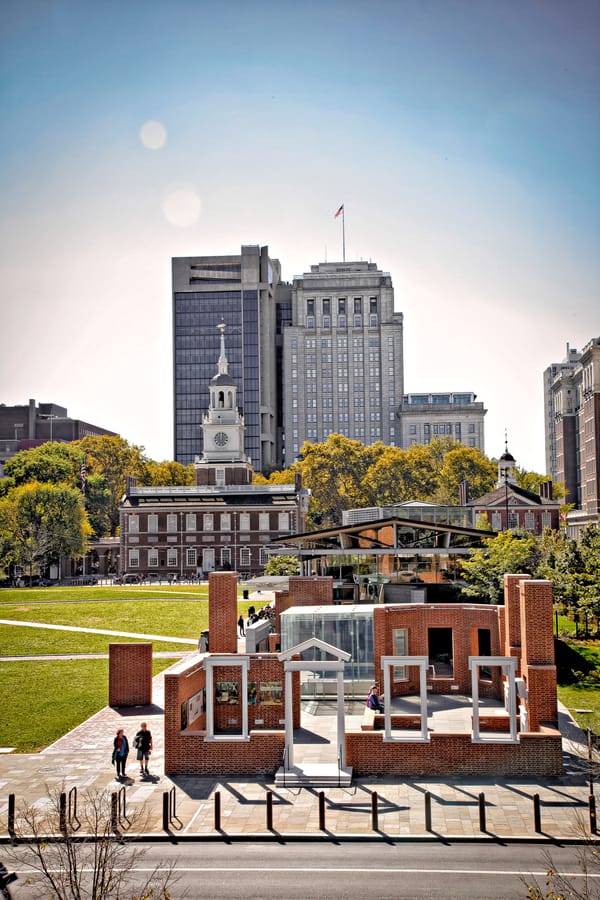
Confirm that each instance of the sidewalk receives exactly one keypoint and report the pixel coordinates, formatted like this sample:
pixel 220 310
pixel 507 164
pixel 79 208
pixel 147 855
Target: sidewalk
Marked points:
pixel 82 758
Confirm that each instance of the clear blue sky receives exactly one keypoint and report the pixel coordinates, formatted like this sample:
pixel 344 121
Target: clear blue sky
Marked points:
pixel 462 137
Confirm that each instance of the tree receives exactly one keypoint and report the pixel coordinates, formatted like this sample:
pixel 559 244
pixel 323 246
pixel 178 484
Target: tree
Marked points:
pixel 52 463
pixel 112 458
pixel 532 481
pixel 507 552
pixel 282 565
pixel 334 472
pixel 92 860
pixel 398 475
pixel 166 473
pixel 39 522
pixel 464 464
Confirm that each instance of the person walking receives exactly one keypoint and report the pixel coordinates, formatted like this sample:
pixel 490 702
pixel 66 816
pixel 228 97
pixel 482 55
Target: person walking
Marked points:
pixel 120 753
pixel 143 745
pixel 241 626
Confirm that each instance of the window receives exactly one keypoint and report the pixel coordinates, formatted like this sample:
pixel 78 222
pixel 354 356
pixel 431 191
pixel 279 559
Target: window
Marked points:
pixel 152 557
pixel 208 522
pixel 413 428
pixel 171 557
pixel 263 556
pixel 326 313
pixel 529 520
pixel 497 521
pixel 400 642
pixel 190 556
pixel 153 523
pixel 244 521
pixel 225 521
pixel 373 318
pixel 172 522
pixel 471 428
pixel 245 557
pixel 219 477
pixel 226 557
pixel 190 522
pixel 134 524
pixel 471 442
pixel 134 558
pixel 513 520
pixel 546 520
pixel 263 521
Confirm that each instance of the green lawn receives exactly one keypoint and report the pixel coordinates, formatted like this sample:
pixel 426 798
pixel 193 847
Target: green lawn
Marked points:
pixel 100 592
pixel 41 700
pixel 584 692
pixel 53 698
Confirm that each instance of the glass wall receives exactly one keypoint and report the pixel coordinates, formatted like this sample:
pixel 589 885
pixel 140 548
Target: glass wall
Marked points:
pixel 196 350
pixel 348 628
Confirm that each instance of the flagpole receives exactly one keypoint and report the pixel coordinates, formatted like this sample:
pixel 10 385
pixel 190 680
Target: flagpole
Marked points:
pixel 343 234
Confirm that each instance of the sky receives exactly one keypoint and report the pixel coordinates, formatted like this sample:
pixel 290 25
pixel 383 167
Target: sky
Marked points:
pixel 462 137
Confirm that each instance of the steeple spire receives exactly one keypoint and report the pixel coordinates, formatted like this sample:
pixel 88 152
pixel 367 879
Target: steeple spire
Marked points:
pixel 222 364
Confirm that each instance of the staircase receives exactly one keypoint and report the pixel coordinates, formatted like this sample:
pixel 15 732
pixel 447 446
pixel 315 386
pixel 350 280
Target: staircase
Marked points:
pixel 313 775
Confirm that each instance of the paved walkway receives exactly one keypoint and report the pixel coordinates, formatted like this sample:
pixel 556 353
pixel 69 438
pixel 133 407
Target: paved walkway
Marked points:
pixel 82 758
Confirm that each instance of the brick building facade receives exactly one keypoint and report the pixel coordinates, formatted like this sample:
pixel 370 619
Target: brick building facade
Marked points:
pixel 234 713
pixel 223 521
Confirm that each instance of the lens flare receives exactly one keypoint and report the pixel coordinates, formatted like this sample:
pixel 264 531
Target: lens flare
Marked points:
pixel 153 135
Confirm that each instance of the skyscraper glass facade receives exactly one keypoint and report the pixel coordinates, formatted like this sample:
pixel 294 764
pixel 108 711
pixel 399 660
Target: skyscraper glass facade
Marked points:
pixel 196 350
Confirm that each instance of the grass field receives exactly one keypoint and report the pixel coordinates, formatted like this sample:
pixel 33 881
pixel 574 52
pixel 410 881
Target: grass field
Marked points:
pixel 56 695
pixel 53 698
pixel 37 709
pixel 584 693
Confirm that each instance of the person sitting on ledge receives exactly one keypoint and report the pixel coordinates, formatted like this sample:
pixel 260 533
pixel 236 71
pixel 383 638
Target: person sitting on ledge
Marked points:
pixel 374 699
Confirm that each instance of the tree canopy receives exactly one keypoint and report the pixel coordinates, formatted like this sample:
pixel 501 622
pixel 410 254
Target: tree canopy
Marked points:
pixel 39 523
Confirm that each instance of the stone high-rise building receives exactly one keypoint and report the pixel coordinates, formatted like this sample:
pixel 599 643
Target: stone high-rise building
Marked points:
pixel 572 408
pixel 343 357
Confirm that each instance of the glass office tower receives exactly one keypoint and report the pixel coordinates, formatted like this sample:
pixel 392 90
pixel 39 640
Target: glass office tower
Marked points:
pixel 240 291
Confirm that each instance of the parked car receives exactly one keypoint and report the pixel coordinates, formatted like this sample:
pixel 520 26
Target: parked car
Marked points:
pixel 130 578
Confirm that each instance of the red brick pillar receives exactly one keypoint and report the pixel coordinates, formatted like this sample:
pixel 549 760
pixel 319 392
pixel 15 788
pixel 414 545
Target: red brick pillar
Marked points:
pixel 512 616
pixel 537 652
pixel 222 612
pixel 129 674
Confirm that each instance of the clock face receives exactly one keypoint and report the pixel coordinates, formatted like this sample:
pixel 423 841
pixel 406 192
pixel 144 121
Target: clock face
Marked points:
pixel 221 439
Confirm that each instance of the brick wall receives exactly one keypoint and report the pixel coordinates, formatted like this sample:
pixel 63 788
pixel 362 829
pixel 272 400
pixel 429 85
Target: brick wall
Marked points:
pixel 537 639
pixel 454 754
pixel 186 752
pixel 464 622
pixel 222 612
pixel 512 613
pixel 129 674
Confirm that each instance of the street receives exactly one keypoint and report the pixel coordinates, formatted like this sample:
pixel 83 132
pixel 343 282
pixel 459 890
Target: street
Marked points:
pixel 349 871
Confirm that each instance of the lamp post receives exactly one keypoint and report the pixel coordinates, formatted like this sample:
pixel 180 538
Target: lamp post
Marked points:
pixel 504 472
pixel 51 417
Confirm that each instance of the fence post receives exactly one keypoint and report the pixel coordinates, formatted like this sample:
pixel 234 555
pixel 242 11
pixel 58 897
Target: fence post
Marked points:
pixel 114 811
pixel 428 811
pixel 537 818
pixel 11 814
pixel 374 812
pixel 62 812
pixel 166 811
pixel 217 810
pixel 592 805
pixel 270 810
pixel 321 811
pixel 482 812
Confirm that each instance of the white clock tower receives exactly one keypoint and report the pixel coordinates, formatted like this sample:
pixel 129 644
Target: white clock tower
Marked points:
pixel 223 426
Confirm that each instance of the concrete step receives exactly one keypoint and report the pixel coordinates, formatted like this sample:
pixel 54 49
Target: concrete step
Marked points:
pixel 313 775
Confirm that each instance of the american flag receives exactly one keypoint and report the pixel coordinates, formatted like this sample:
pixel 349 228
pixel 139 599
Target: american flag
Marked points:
pixel 83 473
pixel 339 212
